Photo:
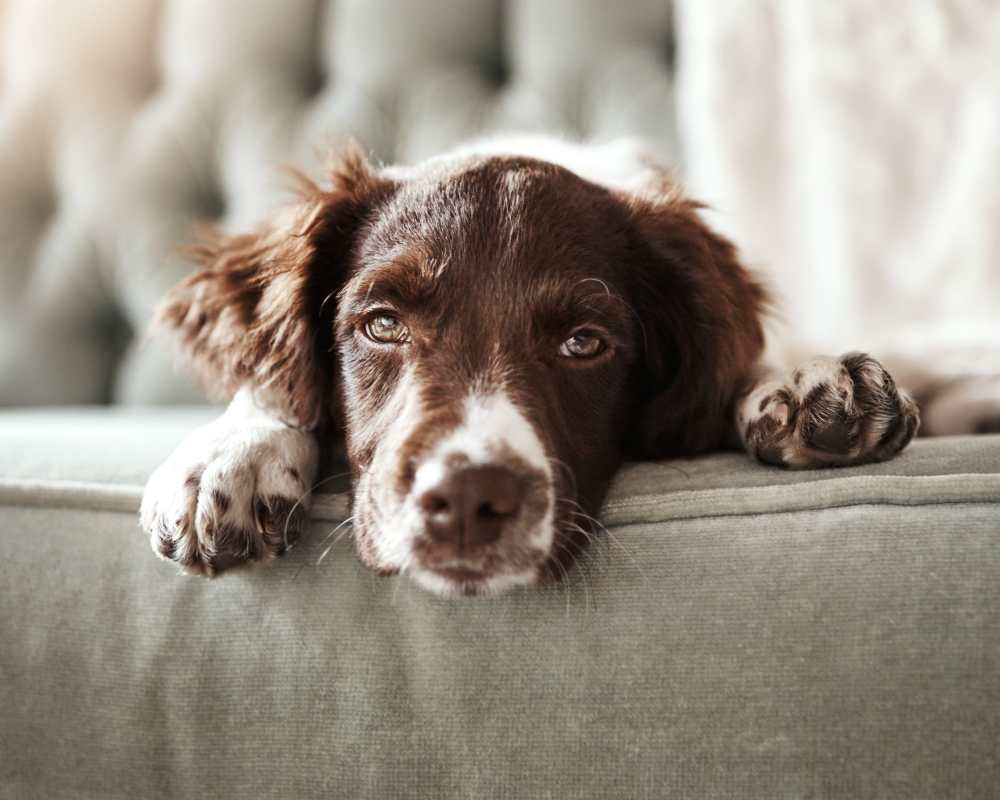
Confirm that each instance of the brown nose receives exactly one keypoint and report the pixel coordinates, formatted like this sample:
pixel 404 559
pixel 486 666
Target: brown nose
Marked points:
pixel 470 506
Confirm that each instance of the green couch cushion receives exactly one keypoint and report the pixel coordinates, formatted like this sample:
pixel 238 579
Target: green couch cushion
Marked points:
pixel 744 631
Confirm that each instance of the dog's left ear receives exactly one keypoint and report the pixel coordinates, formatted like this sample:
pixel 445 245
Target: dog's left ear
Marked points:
pixel 701 314
pixel 259 311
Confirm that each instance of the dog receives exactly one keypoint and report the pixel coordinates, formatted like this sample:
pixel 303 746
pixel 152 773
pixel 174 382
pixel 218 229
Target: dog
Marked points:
pixel 490 334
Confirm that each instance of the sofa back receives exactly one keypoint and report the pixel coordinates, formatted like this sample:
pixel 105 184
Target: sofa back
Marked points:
pixel 121 124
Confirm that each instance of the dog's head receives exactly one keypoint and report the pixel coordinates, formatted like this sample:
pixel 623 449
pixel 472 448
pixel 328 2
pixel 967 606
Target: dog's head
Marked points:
pixel 492 336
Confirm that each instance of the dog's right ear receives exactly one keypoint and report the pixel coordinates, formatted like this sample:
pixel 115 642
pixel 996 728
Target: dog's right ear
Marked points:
pixel 260 310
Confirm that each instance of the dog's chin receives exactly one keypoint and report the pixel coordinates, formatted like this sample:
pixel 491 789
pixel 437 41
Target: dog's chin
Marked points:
pixel 457 581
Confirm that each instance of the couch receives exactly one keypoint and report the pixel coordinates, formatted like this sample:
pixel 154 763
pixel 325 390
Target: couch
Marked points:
pixel 740 631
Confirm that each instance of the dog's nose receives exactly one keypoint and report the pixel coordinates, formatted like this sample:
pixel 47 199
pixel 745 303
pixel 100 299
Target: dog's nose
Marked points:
pixel 470 506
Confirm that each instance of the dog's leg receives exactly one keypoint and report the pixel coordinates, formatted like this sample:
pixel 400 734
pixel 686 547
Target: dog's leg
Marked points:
pixel 828 412
pixel 970 404
pixel 234 491
pixel 957 388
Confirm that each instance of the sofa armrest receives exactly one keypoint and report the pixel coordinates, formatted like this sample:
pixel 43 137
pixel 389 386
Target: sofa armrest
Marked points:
pixel 740 631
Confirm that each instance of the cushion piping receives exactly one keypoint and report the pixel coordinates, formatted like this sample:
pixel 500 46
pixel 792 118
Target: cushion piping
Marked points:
pixel 890 490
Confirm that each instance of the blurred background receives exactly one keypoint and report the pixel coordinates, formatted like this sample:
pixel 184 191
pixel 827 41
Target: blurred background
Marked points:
pixel 852 149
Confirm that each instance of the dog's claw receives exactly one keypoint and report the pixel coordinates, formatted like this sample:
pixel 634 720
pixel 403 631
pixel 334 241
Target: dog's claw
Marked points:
pixel 228 496
pixel 832 412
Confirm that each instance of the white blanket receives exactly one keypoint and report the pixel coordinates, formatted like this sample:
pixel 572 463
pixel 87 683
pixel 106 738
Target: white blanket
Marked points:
pixel 852 149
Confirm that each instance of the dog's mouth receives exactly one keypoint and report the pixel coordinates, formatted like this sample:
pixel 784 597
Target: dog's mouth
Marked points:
pixel 462 581
pixel 462 575
pixel 490 570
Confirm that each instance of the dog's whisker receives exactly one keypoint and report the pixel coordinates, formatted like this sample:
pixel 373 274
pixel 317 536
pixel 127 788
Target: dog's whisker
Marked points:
pixel 581 569
pixel 325 301
pixel 587 562
pixel 599 527
pixel 628 554
pixel 334 542
pixel 607 289
pixel 563 580
pixel 570 475
pixel 403 567
pixel 612 539
pixel 302 497
pixel 618 298
pixel 591 551
pixel 594 524
pixel 340 525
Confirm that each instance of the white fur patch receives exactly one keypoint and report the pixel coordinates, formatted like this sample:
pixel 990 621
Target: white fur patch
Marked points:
pixel 628 163
pixel 492 429
pixel 619 164
pixel 245 455
pixel 498 584
pixel 491 425
pixel 392 425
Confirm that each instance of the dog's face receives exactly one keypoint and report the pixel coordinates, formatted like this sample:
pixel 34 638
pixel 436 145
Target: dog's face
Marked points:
pixel 487 351
pixel 492 336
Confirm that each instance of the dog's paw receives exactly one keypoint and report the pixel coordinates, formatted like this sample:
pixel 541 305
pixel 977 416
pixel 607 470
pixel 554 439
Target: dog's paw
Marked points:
pixel 229 495
pixel 830 412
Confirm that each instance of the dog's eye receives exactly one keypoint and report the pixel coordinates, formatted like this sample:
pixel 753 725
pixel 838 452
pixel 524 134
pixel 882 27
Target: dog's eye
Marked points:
pixel 583 344
pixel 387 329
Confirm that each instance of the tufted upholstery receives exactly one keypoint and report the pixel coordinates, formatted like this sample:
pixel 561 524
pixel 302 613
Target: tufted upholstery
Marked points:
pixel 121 123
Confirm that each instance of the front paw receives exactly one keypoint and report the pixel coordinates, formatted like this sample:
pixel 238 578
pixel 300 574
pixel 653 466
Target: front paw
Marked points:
pixel 832 411
pixel 228 496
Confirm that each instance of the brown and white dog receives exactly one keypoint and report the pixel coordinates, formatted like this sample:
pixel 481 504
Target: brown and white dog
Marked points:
pixel 491 333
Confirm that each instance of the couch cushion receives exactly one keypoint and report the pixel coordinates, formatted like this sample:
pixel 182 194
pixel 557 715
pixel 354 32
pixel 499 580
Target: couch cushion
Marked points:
pixel 100 457
pixel 742 631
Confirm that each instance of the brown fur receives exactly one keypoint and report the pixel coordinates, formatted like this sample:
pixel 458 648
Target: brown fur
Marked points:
pixel 491 264
pixel 703 311
pixel 254 313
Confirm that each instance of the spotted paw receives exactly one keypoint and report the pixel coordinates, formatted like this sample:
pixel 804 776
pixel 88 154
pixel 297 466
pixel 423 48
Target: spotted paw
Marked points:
pixel 829 412
pixel 228 495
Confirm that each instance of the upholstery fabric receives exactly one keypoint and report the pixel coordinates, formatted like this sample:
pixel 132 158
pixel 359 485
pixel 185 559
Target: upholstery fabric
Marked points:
pixel 743 632
pixel 122 123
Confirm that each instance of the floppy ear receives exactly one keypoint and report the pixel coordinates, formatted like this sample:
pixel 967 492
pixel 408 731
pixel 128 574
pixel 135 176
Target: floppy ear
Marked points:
pixel 259 311
pixel 701 312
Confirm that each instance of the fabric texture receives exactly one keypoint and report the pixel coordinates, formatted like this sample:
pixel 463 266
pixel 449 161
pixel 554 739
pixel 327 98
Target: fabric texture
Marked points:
pixel 121 124
pixel 742 631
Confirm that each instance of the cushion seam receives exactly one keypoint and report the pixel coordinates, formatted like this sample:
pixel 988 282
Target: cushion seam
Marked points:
pixel 125 499
pixel 808 509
